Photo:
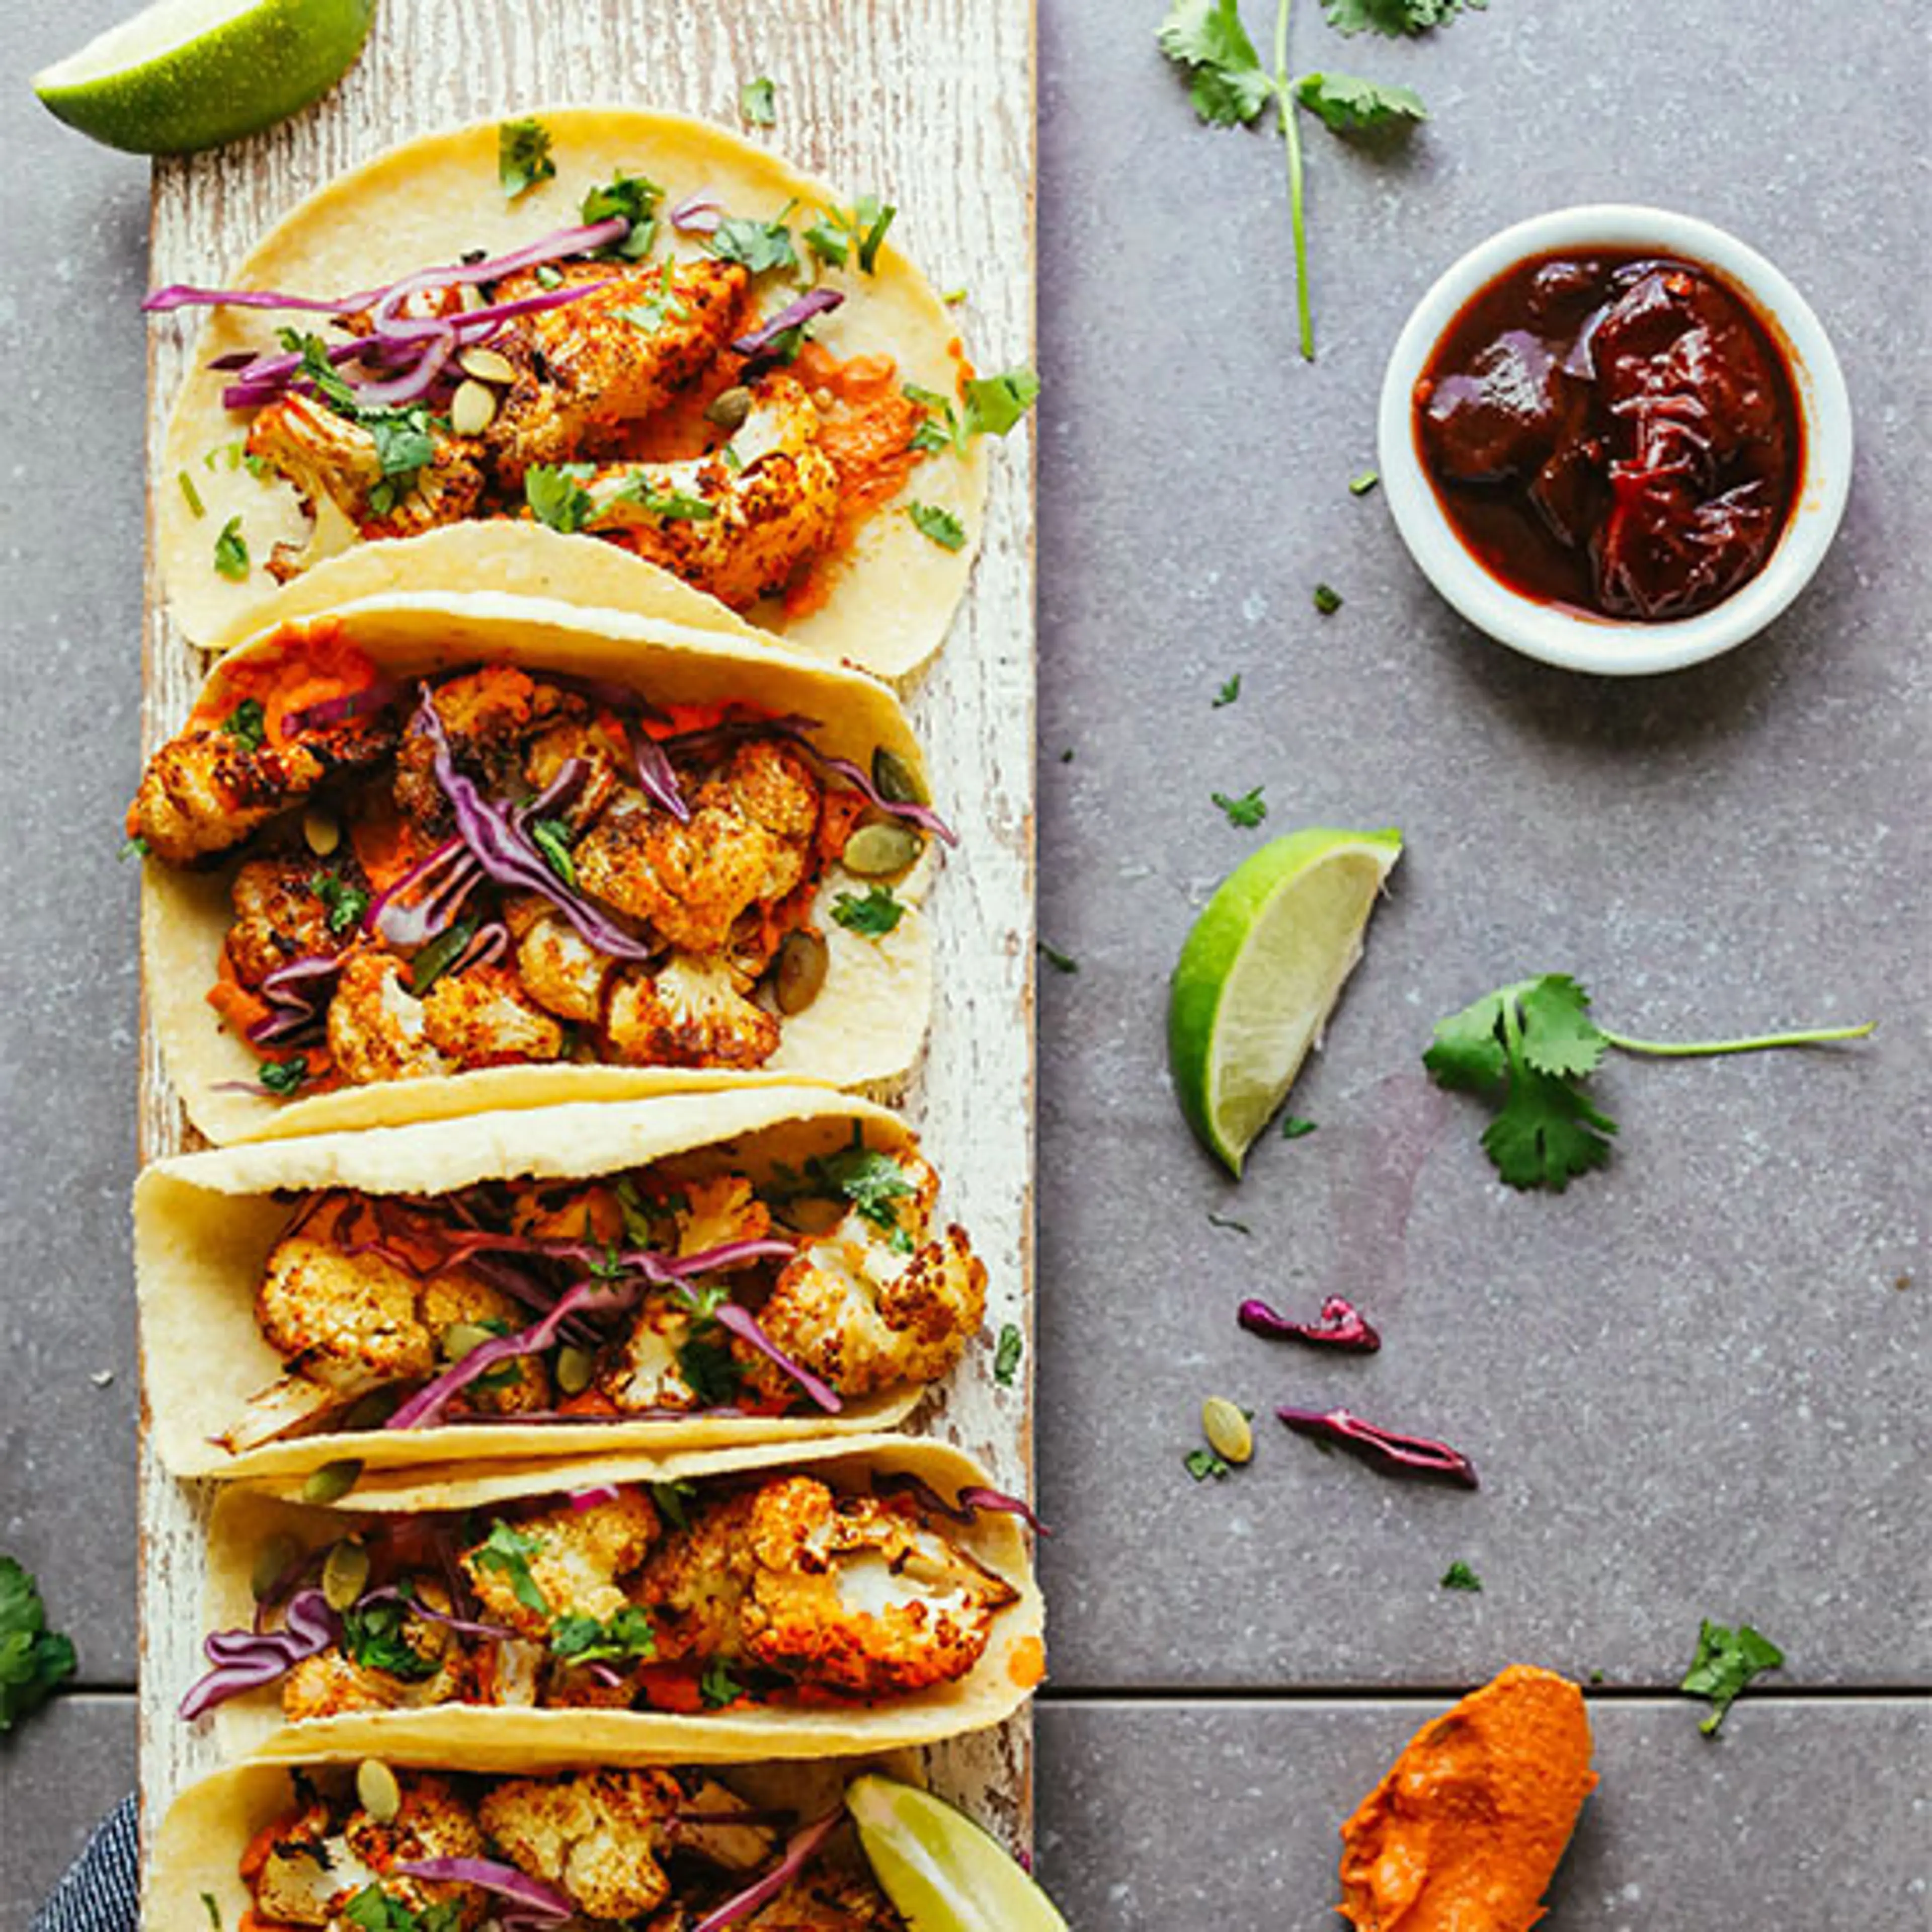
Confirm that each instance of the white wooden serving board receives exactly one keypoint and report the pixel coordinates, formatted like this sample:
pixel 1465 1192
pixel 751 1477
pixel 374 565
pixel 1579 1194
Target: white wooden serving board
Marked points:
pixel 930 103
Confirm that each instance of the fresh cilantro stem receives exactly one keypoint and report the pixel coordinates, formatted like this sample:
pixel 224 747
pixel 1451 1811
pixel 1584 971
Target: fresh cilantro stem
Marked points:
pixel 1689 1049
pixel 1291 135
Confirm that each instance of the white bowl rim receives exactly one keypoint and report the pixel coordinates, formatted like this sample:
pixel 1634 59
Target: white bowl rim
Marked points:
pixel 1556 634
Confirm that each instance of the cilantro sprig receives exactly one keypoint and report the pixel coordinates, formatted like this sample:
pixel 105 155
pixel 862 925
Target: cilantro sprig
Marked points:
pixel 1531 1045
pixel 1230 87
pixel 35 1661
pixel 1726 1661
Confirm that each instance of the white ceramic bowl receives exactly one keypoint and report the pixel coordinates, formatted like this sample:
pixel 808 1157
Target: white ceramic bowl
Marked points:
pixel 1574 639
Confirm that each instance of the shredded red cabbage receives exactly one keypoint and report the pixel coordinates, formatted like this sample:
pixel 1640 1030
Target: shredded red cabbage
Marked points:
pixel 462 1626
pixel 504 1879
pixel 415 923
pixel 970 1503
pixel 764 347
pixel 696 214
pixel 594 1498
pixel 329 711
pixel 656 776
pixel 798 1851
pixel 1341 1326
pixel 1383 1448
pixel 251 1659
pixel 745 1326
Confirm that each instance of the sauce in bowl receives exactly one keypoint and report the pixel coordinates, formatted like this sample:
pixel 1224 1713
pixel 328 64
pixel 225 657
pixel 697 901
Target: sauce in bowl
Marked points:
pixel 1613 430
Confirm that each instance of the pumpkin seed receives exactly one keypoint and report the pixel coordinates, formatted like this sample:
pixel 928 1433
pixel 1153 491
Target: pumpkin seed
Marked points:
pixel 729 408
pixel 371 1412
pixel 322 829
pixel 345 1575
pixel 332 1481
pixel 473 409
pixel 272 1561
pixel 877 851
pixel 377 1791
pixel 1227 1429
pixel 801 971
pixel 473 297
pixel 464 1338
pixel 573 1370
pixel 486 366
pixel 896 781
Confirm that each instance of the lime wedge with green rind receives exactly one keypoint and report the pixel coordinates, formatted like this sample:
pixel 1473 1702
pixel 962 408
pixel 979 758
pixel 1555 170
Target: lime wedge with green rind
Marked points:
pixel 939 1868
pixel 1261 973
pixel 188 74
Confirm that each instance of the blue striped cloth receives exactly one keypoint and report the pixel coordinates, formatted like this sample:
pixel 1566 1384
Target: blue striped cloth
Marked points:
pixel 101 1892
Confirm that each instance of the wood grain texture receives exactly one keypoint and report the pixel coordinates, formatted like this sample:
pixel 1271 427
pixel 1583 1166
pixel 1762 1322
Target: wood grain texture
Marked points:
pixel 929 103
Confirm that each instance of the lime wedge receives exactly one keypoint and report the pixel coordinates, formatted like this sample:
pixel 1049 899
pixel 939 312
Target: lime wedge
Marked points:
pixel 1261 973
pixel 939 1868
pixel 189 74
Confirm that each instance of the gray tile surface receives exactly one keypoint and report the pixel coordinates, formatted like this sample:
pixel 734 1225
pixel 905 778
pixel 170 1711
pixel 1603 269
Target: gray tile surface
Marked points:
pixel 1691 1384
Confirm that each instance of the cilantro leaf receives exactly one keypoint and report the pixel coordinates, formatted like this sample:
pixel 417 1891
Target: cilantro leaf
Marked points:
pixel 711 1372
pixel 577 1639
pixel 871 1180
pixel 1006 1357
pixel 282 1077
pixel 1295 1128
pixel 247 724
pixel 523 156
pixel 1547 1133
pixel 1559 1036
pixel 551 837
pixel 1394 18
pixel 941 526
pixel 1327 599
pixel 1202 1463
pixel 757 102
pixel 1348 103
pixel 838 231
pixel 673 505
pixel 556 494
pixel 872 917
pixel 344 903
pixel 1468 1053
pixel 508 1551
pixel 1229 691
pixel 231 552
pixel 1459 1576
pixel 672 1500
pixel 34 1660
pixel 760 246
pixel 995 404
pixel 1061 961
pixel 373 1635
pixel 1227 83
pixel 1246 811
pixel 636 198
pixel 1726 1661
pixel 717 1686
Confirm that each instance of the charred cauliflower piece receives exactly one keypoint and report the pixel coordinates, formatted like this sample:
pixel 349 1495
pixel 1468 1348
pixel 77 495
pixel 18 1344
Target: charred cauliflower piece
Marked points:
pixel 332 1682
pixel 376 1028
pixel 433 1823
pixel 616 355
pixel 718 1211
pixel 686 1012
pixel 737 525
pixel 205 790
pixel 573 1557
pixel 279 917
pixel 484 1017
pixel 560 969
pixel 489 716
pixel 328 457
pixel 645 1372
pixel 306 1870
pixel 599 1834
pixel 838 1592
pixel 827 1902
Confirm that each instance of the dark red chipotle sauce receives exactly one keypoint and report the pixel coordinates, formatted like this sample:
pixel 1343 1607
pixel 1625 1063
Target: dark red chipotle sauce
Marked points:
pixel 1613 430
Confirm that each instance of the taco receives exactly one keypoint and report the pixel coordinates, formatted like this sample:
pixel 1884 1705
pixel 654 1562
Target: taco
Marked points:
pixel 587 1848
pixel 429 857
pixel 804 1601
pixel 667 348
pixel 690 1272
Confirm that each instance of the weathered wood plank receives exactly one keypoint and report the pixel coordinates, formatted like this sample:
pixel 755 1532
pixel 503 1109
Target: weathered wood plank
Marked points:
pixel 931 103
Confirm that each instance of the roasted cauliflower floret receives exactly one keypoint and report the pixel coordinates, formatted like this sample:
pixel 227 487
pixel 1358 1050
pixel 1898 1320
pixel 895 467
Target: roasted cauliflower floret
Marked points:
pixel 573 1557
pixel 327 456
pixel 279 916
pixel 438 1670
pixel 718 1211
pixel 865 1317
pixel 738 526
pixel 205 790
pixel 827 1902
pixel 599 1834
pixel 489 717
pixel 434 1822
pixel 839 1592
pixel 484 1017
pixel 689 882
pixel 305 1870
pixel 588 743
pixel 560 969
pixel 376 1024
pixel 686 1012
pixel 348 1320
pixel 646 1371
pixel 615 355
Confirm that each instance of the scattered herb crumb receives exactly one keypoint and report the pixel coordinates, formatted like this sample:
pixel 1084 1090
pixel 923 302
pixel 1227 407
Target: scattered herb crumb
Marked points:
pixel 1596 1677
pixel 523 156
pixel 1295 1128
pixel 1361 485
pixel 1202 1463
pixel 35 1661
pixel 1459 1576
pixel 942 526
pixel 717 1686
pixel 193 495
pixel 1225 1221
pixel 1246 811
pixel 231 552
pixel 1066 756
pixel 1229 691
pixel 213 1910
pixel 1006 1356
pixel 757 102
pixel 953 297
pixel 136 848
pixel 872 916
pixel 1327 599
pixel 1060 962
pixel 1726 1661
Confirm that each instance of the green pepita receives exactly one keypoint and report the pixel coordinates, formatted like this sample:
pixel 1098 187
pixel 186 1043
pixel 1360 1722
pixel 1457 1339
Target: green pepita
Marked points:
pixel 486 366
pixel 573 1370
pixel 879 850
pixel 896 781
pixel 1227 1429
pixel 473 409
pixel 273 1560
pixel 322 830
pixel 377 1791
pixel 729 408
pixel 801 972
pixel 332 1481
pixel 464 1338
pixel 345 1575
pixel 373 1410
